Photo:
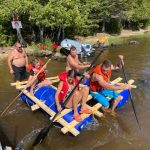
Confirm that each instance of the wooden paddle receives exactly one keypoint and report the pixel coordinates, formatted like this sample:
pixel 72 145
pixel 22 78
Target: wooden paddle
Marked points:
pixel 33 79
pixel 43 133
pixel 130 94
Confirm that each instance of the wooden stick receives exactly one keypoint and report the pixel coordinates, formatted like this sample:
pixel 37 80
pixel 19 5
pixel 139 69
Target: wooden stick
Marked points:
pixel 34 78
pixel 50 112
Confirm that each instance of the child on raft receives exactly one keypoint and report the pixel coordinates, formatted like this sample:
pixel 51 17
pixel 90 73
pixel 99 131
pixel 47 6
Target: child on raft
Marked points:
pixel 67 82
pixel 40 80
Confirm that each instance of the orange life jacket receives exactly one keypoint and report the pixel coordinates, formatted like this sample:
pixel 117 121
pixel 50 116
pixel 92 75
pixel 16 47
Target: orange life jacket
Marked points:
pixel 94 85
pixel 41 76
pixel 65 87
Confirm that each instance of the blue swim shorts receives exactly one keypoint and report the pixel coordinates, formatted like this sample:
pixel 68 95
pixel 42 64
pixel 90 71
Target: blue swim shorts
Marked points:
pixel 101 95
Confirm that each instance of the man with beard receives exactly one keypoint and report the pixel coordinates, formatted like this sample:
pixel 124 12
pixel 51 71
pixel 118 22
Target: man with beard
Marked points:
pixel 18 62
pixel 100 84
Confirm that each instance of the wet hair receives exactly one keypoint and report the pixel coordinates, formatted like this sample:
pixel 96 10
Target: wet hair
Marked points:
pixel 72 48
pixel 72 73
pixel 106 63
pixel 17 44
pixel 34 60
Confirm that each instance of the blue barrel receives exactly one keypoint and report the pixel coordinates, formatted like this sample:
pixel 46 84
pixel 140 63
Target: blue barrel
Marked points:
pixel 47 94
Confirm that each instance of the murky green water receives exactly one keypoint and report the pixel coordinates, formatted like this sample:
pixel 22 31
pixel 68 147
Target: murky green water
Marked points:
pixel 120 133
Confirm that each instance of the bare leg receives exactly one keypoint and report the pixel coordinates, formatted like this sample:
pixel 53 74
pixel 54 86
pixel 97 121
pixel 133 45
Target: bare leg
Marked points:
pixel 45 83
pixel 116 101
pixel 32 84
pixel 105 109
pixel 84 92
pixel 73 102
pixel 32 87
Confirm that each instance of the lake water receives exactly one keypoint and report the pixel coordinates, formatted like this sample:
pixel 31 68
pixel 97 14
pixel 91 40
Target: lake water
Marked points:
pixel 122 133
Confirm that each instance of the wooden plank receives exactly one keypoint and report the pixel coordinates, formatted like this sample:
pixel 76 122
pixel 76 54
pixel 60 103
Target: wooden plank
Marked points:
pixel 38 102
pixel 19 87
pixel 74 131
pixel 36 106
pixel 116 80
pixel 67 126
pixel 66 111
pixel 51 112
pixel 94 109
pixel 129 82
pixel 83 116
pixel 25 82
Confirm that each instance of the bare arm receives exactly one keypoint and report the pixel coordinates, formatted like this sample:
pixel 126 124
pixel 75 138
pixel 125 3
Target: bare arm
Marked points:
pixel 75 64
pixel 79 62
pixel 10 59
pixel 26 58
pixel 118 63
pixel 106 85
pixel 60 85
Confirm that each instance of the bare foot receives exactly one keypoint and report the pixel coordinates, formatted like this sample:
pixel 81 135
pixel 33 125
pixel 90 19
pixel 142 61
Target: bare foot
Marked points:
pixel 114 114
pixel 31 93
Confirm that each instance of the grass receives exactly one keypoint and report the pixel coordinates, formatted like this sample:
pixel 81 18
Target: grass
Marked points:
pixel 121 40
pixel 115 40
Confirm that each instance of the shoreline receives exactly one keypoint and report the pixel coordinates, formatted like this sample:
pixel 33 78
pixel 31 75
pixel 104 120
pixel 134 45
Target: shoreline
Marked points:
pixel 111 39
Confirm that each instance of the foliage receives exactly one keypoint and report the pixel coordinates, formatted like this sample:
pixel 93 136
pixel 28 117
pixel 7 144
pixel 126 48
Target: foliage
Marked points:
pixel 114 26
pixel 70 17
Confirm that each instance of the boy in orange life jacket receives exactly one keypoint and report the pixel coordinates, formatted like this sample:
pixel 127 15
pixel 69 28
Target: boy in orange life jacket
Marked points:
pixel 67 83
pixel 99 83
pixel 34 68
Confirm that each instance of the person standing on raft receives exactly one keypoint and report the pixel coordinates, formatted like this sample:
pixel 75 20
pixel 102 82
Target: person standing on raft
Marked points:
pixel 67 82
pixel 18 62
pixel 101 88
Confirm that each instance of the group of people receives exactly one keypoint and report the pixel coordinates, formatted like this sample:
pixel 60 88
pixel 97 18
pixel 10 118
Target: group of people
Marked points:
pixel 99 79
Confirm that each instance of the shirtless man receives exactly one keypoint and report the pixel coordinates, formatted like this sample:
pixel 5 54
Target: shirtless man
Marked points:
pixel 17 62
pixel 73 61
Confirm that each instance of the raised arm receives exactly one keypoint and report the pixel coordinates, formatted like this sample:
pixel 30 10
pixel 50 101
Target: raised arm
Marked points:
pixel 106 85
pixel 118 63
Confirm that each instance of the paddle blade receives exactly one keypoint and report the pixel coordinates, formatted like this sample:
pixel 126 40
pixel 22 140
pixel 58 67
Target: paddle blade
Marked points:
pixel 41 136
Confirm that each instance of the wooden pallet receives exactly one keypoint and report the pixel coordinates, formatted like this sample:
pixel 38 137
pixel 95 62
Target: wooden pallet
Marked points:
pixel 68 127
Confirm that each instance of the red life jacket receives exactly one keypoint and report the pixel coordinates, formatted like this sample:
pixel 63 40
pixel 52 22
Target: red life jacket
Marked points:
pixel 65 87
pixel 94 85
pixel 41 76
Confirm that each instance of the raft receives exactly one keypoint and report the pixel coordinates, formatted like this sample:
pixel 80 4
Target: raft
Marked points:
pixel 44 99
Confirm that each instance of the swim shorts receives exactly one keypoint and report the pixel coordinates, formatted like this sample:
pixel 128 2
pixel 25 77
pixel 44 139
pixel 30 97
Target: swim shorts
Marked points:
pixel 101 95
pixel 19 73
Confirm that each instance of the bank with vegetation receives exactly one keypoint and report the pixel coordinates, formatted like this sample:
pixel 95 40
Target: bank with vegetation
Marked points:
pixel 48 21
